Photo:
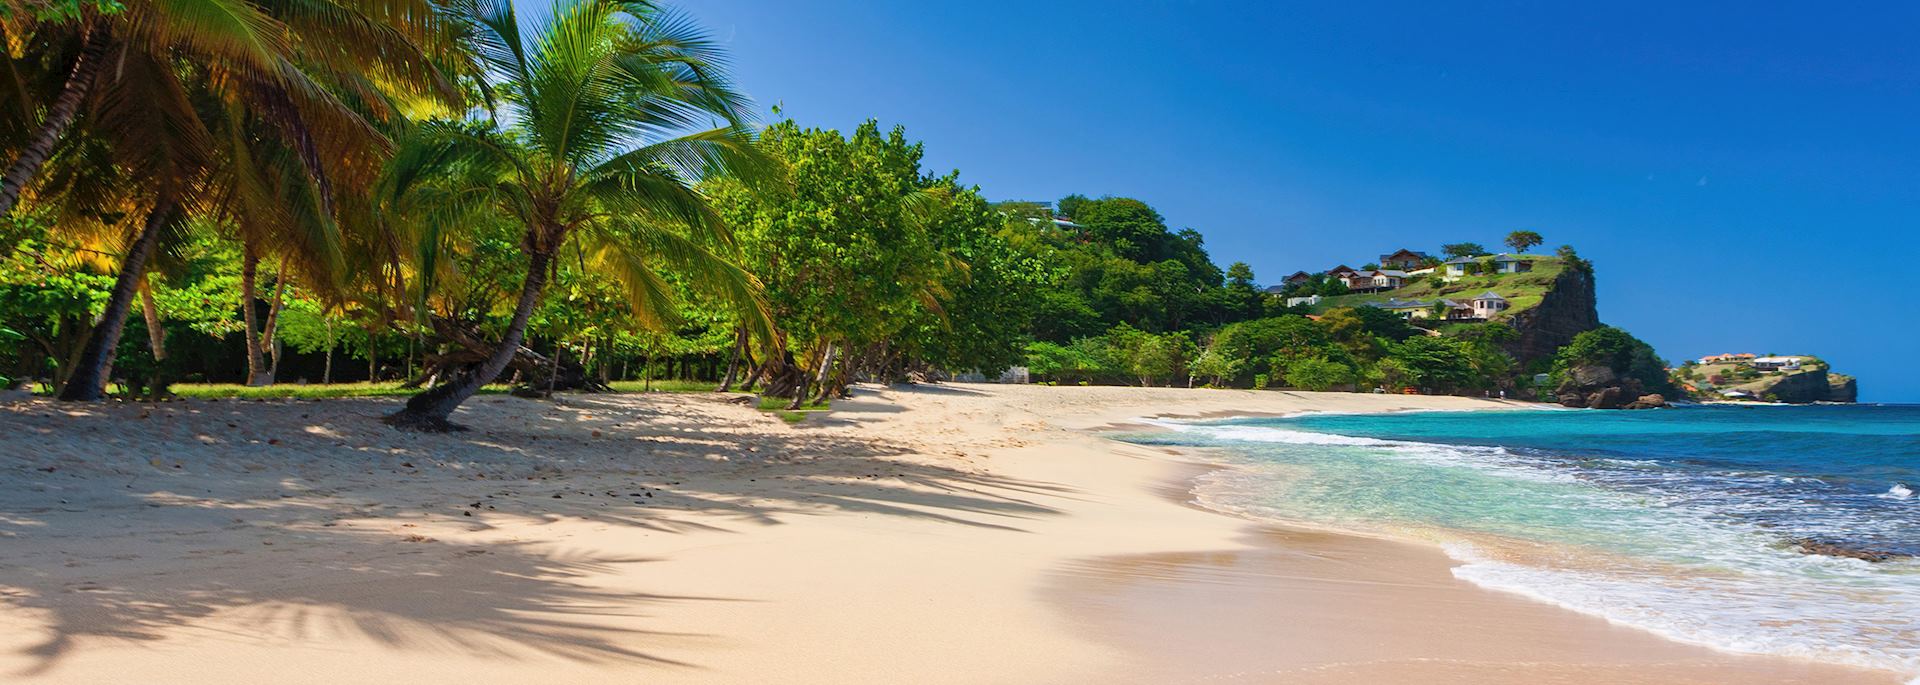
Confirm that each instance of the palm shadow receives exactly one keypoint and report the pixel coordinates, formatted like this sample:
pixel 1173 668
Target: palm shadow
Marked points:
pixel 110 542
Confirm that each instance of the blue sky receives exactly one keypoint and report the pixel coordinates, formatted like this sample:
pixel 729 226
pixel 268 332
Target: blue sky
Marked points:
pixel 1745 177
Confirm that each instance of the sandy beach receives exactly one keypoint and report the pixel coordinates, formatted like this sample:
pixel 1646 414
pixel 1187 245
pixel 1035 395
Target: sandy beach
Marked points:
pixel 928 534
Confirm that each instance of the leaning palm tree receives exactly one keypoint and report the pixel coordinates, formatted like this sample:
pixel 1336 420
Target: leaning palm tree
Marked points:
pixel 607 116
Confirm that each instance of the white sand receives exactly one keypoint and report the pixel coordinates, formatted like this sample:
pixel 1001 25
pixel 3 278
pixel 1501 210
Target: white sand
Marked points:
pixel 944 534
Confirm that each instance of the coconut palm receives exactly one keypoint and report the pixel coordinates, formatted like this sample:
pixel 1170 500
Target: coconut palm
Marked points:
pixel 607 116
pixel 304 57
pixel 201 88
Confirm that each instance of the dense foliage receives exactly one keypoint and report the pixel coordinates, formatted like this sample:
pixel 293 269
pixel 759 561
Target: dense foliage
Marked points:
pixel 448 196
pixel 1617 350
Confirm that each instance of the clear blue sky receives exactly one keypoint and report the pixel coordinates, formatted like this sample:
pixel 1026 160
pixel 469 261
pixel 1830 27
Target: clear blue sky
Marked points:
pixel 1745 177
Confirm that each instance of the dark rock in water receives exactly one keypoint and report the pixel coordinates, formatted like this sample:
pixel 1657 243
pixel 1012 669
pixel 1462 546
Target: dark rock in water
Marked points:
pixel 1573 399
pixel 1649 401
pixel 1844 550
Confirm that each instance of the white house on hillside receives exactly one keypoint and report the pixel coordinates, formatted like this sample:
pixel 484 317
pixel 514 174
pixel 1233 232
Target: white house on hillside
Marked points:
pixel 1778 363
pixel 1502 264
pixel 1486 304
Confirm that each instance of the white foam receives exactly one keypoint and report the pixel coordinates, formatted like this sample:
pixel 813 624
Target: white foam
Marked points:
pixel 1846 624
pixel 1724 584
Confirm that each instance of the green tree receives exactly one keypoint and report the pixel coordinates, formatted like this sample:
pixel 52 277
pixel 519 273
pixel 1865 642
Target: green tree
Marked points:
pixel 982 321
pixel 1567 254
pixel 1151 357
pixel 1318 374
pixel 314 75
pixel 1216 366
pixel 859 249
pixel 1457 250
pixel 1520 241
pixel 567 160
pixel 1132 228
pixel 1436 362
pixel 1242 298
pixel 1390 373
pixel 1067 363
pixel 1618 350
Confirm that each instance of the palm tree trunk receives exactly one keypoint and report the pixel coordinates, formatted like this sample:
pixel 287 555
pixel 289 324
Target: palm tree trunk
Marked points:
pixel 559 353
pixel 733 365
pixel 326 376
pixel 825 357
pixel 88 381
pixel 430 410
pixel 156 336
pixel 257 373
pixel 270 333
pixel 605 355
pixel 93 53
pixel 828 377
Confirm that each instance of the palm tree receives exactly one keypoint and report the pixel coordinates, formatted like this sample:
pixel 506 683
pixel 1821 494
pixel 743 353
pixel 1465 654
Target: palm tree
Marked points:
pixel 588 150
pixel 301 56
pixel 266 74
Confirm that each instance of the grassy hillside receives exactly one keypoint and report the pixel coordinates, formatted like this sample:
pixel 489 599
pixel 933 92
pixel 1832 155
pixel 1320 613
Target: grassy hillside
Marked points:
pixel 1524 290
pixel 1713 380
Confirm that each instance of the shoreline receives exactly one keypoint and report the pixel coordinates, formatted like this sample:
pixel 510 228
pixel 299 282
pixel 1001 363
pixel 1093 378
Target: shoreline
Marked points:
pixel 1208 621
pixel 941 534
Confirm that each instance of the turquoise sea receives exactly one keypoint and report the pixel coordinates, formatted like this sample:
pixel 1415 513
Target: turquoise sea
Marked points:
pixel 1689 522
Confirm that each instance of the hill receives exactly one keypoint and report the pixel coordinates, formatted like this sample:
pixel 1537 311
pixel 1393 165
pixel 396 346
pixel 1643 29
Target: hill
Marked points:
pixel 1793 379
pixel 1546 306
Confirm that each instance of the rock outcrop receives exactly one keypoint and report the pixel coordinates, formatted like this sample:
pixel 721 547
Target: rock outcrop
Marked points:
pixel 1813 384
pixel 1598 387
pixel 1842 388
pixel 1568 309
pixel 1648 401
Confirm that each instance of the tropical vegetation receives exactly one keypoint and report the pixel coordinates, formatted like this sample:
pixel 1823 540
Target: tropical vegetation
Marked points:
pixel 434 197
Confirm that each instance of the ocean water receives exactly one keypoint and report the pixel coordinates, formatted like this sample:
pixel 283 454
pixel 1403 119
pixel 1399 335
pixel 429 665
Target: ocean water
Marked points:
pixel 1687 522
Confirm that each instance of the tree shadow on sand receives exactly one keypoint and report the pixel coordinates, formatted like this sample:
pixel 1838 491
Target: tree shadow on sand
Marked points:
pixel 129 519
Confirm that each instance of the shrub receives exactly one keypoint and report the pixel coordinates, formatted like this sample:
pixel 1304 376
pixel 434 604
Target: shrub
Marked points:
pixel 1318 374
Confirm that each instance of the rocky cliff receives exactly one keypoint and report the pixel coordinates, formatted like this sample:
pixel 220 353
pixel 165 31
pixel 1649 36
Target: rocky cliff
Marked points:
pixel 1599 387
pixel 1814 384
pixel 1568 309
pixel 1842 388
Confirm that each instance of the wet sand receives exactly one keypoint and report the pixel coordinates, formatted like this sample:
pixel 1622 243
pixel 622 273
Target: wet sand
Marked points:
pixel 1306 607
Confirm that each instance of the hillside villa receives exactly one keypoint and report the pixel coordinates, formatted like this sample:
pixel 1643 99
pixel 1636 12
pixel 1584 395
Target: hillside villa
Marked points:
pixel 1480 308
pixel 1777 363
pixel 1397 268
pixel 1404 260
pixel 1489 303
pixel 1375 280
pixel 1408 269
pixel 1502 264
